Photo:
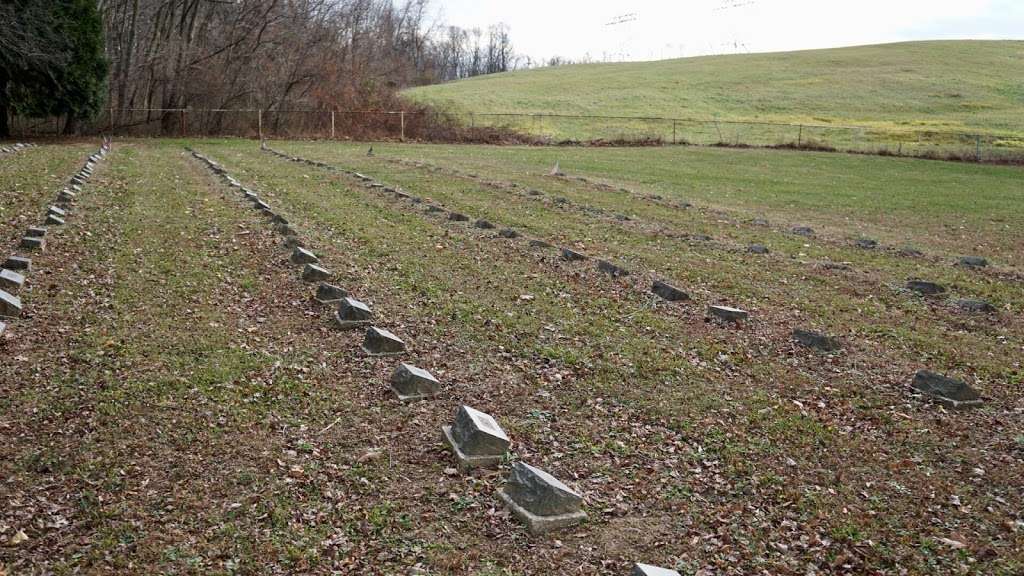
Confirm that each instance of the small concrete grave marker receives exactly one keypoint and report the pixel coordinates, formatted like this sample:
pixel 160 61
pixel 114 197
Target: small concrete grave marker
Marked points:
pixel 11 281
pixel 10 305
pixel 975 306
pixel 570 255
pixel 36 232
pixel 866 244
pixel 330 294
pixel 412 384
pixel 3 328
pixel 352 314
pixel 261 205
pixel 484 225
pixel 66 196
pixel 669 292
pixel 476 439
pixel 728 314
pixel 279 220
pixel 433 209
pixel 557 170
pixel 508 233
pixel 925 288
pixel 18 263
pixel 611 269
pixel 314 273
pixel 803 231
pixel 648 570
pixel 759 222
pixel 540 500
pixel 292 242
pixel 33 243
pixel 380 342
pixel 456 217
pixel 910 252
pixel 57 211
pixel 949 392
pixel 540 244
pixel 757 249
pixel 817 340
pixel 303 256
pixel 973 262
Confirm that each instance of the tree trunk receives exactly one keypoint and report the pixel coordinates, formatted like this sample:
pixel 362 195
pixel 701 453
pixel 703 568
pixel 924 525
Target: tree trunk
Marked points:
pixel 71 125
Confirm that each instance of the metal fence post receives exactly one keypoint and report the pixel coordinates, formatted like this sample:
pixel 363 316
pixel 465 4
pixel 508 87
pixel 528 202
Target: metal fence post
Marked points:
pixel 800 137
pixel 674 139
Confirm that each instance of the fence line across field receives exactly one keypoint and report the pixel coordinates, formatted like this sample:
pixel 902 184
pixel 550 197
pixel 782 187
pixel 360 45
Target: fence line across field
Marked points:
pixel 557 128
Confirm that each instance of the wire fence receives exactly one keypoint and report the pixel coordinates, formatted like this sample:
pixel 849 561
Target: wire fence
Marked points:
pixel 539 128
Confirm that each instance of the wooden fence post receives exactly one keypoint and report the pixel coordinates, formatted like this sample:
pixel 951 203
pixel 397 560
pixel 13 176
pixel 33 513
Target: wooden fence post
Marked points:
pixel 259 123
pixel 332 124
pixel 674 139
pixel 184 130
pixel 403 125
pixel 800 137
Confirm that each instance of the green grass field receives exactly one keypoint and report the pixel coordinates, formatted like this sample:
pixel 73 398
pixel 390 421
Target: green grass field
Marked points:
pixel 969 86
pixel 174 402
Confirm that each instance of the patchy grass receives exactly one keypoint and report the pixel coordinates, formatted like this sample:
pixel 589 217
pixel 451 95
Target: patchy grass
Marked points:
pixel 201 416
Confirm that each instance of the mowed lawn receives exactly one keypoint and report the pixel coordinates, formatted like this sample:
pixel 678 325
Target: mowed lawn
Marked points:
pixel 176 403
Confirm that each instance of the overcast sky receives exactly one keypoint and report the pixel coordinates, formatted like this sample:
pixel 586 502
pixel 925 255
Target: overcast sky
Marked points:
pixel 674 28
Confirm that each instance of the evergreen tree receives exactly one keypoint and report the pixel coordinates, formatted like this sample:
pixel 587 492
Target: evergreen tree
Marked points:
pixel 51 60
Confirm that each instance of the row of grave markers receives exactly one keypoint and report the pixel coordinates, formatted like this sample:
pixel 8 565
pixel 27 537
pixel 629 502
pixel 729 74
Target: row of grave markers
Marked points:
pixel 17 267
pixel 949 392
pixel 14 148
pixel 538 499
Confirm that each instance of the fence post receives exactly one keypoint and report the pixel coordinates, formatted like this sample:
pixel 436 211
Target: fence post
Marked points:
pixel 402 114
pixel 183 128
pixel 111 121
pixel 674 140
pixel 259 123
pixel 977 145
pixel 332 124
pixel 800 137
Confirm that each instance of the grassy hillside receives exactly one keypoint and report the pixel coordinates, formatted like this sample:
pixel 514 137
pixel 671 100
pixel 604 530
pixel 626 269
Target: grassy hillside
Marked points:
pixel 941 85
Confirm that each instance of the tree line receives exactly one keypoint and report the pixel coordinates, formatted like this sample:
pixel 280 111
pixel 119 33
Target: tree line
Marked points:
pixel 73 58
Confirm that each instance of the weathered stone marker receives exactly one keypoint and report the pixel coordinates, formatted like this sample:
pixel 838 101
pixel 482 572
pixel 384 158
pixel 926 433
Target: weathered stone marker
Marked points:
pixel 36 232
pixel 11 281
pixel 973 262
pixel 975 306
pixel 57 211
pixel 54 220
pixel 572 255
pixel 540 244
pixel 817 340
pixel 611 269
pixel 484 225
pixel 314 273
pixel 728 314
pixel 3 328
pixel 760 222
pixel 411 384
pixel 866 244
pixel 540 501
pixel 476 439
pixel 352 314
pixel 260 205
pixel 10 305
pixel 66 197
pixel 18 263
pixel 330 294
pixel 669 292
pixel 292 242
pixel 949 392
pixel 508 233
pixel 803 231
pixel 456 217
pixel 757 249
pixel 303 256
pixel 380 342
pixel 648 570
pixel 925 288
pixel 31 243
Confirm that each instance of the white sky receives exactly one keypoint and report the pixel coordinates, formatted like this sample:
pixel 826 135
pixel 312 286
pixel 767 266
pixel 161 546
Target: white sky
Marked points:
pixel 670 29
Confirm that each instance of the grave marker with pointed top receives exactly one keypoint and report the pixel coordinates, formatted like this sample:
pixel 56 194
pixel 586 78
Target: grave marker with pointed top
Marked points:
pixel 648 570
pixel 669 292
pixel 330 294
pixel 540 500
pixel 925 288
pixel 570 255
pixel 380 342
pixel 352 314
pixel 412 384
pixel 10 305
pixel 949 392
pixel 728 314
pixel 611 269
pixel 314 273
pixel 303 256
pixel 817 340
pixel 476 439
